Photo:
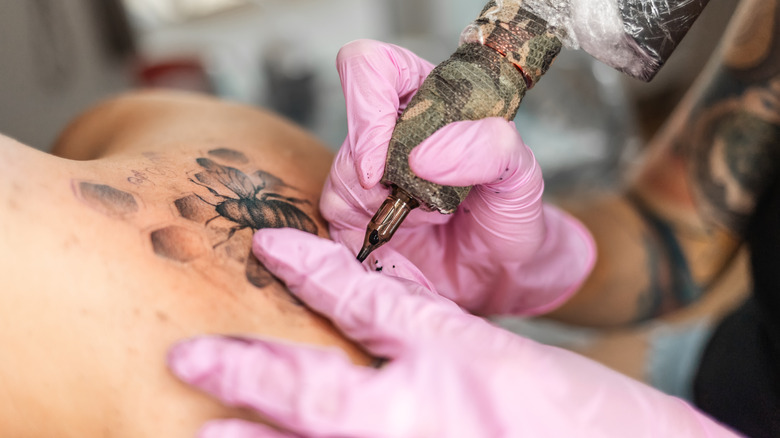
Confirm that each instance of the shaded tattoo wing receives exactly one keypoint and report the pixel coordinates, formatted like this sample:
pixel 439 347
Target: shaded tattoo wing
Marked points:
pixel 232 178
pixel 281 214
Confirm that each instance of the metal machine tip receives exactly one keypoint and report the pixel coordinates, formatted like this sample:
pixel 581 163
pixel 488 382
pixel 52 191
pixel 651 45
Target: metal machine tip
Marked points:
pixel 364 252
pixel 386 220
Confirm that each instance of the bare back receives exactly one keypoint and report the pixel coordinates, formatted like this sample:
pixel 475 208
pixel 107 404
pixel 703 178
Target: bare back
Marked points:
pixel 108 262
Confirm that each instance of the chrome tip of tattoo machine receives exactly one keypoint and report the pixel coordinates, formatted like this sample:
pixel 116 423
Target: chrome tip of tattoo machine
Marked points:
pixel 363 254
pixel 387 220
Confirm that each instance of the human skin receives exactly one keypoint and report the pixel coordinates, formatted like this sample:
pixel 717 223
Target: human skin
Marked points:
pixel 109 260
pixel 699 180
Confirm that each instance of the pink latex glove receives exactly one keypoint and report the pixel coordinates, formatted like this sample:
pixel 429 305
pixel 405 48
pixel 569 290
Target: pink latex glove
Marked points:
pixel 503 251
pixel 450 374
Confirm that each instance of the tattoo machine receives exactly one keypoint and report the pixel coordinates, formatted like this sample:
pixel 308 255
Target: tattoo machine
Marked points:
pixel 502 54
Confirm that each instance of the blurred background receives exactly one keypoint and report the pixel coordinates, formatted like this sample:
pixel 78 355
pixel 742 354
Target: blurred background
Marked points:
pixel 61 56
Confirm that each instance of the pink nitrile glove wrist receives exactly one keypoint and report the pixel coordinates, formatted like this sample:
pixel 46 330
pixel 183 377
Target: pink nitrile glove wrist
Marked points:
pixel 449 373
pixel 495 254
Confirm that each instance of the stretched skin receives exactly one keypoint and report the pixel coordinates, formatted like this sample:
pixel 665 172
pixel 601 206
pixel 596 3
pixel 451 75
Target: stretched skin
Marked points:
pixel 109 261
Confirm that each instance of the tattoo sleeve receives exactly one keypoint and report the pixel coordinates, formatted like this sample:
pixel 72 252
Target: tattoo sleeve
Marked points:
pixel 726 137
pixel 731 138
pixel 697 186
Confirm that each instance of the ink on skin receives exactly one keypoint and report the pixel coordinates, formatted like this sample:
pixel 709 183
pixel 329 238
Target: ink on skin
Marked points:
pixel 271 181
pixel 177 243
pixel 106 199
pixel 191 207
pixel 260 277
pixel 730 135
pixel 242 204
pixel 139 179
pixel 229 155
pixel 256 273
pixel 672 284
pixel 269 210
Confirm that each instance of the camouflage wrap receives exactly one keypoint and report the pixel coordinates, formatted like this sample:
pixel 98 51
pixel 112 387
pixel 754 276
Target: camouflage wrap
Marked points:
pixel 486 77
pixel 521 37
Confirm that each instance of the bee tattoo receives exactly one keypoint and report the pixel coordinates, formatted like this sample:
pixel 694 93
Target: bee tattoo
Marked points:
pixel 244 200
pixel 248 207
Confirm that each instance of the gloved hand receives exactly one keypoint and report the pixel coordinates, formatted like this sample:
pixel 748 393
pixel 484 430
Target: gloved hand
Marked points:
pixel 503 251
pixel 450 374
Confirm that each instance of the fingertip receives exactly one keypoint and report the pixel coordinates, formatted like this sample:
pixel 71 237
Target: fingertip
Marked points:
pixel 283 251
pixel 196 360
pixel 272 244
pixel 290 244
pixel 212 429
pixel 296 256
pixel 367 142
pixel 357 48
pixel 467 152
pixel 370 168
pixel 235 428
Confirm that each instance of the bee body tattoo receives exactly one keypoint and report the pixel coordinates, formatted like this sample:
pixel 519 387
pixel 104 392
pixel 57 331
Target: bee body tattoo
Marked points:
pixel 250 208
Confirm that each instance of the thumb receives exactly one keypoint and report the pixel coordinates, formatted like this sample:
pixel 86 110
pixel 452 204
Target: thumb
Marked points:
pixel 470 152
pixel 505 206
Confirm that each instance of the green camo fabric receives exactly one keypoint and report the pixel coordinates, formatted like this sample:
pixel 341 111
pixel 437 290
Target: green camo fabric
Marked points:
pixel 481 79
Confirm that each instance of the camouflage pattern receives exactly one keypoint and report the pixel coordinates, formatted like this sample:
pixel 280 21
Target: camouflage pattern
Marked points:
pixel 487 77
pixel 519 35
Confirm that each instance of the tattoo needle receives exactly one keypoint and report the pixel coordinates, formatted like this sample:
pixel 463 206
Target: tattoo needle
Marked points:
pixel 386 220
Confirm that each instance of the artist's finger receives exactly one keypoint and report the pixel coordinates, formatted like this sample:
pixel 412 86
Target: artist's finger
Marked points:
pixel 471 152
pixel 344 201
pixel 506 201
pixel 378 79
pixel 382 314
pixel 234 428
pixel 303 389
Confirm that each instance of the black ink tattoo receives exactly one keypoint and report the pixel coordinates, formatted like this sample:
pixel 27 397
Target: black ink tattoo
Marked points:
pixel 229 155
pixel 139 179
pixel 248 210
pixel 672 285
pixel 259 277
pixel 191 208
pixel 237 199
pixel 256 272
pixel 106 199
pixel 732 134
pixel 735 154
pixel 177 243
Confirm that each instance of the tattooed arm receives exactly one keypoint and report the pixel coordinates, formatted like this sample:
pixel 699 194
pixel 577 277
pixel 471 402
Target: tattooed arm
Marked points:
pixel 675 232
pixel 725 134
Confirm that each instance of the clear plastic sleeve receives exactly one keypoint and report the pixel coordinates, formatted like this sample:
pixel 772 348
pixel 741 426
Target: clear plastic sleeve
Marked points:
pixel 633 36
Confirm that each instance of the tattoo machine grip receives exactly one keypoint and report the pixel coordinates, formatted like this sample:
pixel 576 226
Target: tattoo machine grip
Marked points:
pixel 476 82
pixel 481 79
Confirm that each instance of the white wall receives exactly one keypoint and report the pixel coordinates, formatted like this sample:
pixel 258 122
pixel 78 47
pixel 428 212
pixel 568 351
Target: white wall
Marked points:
pixel 52 66
pixel 306 34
